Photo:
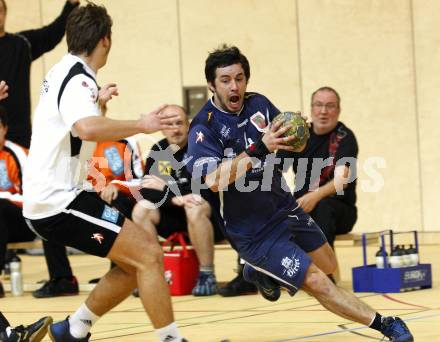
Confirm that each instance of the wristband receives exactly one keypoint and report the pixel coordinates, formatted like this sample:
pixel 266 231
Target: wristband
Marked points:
pixel 257 150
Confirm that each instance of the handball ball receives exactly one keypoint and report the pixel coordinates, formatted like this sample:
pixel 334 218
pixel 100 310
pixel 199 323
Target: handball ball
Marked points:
pixel 299 129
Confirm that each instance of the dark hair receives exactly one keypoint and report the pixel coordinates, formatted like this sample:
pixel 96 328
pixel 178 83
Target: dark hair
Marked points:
pixel 3 114
pixel 326 88
pixel 86 25
pixel 4 5
pixel 224 56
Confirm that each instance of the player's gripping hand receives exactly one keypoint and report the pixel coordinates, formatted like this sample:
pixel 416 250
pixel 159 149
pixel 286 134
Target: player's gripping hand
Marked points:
pixel 274 139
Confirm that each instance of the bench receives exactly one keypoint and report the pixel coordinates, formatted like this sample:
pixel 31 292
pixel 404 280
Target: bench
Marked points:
pixel 355 239
pixel 25 245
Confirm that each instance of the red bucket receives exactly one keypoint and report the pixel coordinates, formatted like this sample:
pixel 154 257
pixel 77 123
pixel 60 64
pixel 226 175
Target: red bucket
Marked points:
pixel 181 266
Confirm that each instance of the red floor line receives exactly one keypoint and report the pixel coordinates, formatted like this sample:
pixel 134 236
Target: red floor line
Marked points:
pixel 406 303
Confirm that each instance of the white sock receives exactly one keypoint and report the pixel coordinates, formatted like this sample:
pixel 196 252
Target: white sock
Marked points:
pixel 206 269
pixel 8 331
pixel 169 333
pixel 82 321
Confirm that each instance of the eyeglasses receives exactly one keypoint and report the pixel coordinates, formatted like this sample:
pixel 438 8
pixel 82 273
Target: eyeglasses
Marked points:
pixel 329 106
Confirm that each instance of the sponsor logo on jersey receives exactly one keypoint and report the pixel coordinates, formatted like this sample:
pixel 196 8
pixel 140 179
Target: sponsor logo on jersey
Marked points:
pixel 45 86
pixel 115 162
pixel 5 182
pixel 164 167
pixel 199 137
pixel 259 121
pixel 241 124
pixel 110 214
pixel 225 131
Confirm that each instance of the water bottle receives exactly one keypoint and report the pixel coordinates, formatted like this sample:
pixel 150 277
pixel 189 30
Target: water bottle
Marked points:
pixel 16 276
pixel 406 256
pixel 396 257
pixel 380 262
pixel 414 256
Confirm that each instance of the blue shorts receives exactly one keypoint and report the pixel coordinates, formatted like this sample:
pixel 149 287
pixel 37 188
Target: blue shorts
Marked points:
pixel 285 258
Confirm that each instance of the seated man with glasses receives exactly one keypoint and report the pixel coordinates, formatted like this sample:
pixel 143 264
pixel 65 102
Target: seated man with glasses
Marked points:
pixel 324 166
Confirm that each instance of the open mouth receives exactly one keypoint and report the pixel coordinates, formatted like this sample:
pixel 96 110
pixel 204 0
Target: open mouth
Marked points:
pixel 234 100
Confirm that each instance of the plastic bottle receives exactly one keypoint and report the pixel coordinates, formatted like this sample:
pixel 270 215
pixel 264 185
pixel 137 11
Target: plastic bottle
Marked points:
pixel 414 255
pixel 406 257
pixel 380 262
pixel 396 257
pixel 16 276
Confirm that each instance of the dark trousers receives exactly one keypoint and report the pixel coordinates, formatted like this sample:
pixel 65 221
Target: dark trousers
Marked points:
pixel 56 255
pixel 334 217
pixel 13 227
pixel 57 262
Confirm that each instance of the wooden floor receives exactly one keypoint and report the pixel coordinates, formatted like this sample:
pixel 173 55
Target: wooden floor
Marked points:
pixel 239 319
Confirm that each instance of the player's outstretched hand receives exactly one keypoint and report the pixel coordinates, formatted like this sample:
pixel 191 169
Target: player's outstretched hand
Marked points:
pixel 157 121
pixel 274 139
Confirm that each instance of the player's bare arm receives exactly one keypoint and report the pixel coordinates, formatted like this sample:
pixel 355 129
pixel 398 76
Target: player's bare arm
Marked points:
pixel 229 171
pixel 99 128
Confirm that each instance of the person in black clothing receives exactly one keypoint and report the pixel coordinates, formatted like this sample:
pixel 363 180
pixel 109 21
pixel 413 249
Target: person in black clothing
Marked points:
pixel 185 212
pixel 17 51
pixel 327 190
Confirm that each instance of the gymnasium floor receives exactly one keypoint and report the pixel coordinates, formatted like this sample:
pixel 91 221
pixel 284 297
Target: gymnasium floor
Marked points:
pixel 246 318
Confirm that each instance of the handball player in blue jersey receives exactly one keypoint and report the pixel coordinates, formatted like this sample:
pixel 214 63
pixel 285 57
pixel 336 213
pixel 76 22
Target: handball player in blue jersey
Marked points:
pixel 230 148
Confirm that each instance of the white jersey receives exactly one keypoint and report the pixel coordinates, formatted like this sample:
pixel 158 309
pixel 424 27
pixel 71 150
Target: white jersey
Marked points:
pixel 57 162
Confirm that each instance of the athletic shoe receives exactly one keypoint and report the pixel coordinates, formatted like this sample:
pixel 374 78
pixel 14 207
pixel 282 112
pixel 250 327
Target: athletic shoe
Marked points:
pixel 94 281
pixel 206 284
pixel 396 330
pixel 60 332
pixel 268 288
pixel 32 333
pixel 57 287
pixel 237 287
